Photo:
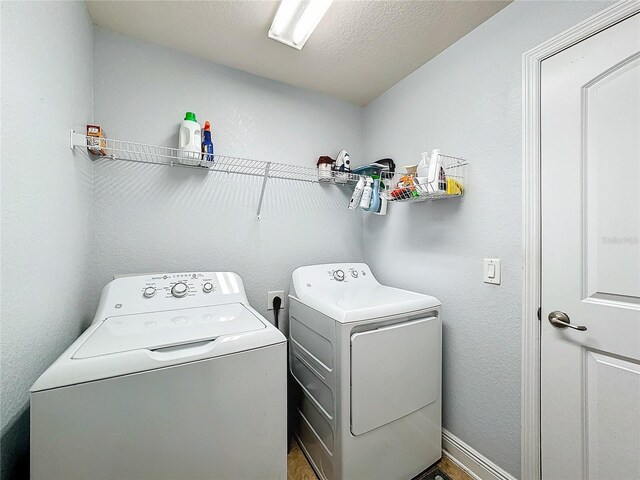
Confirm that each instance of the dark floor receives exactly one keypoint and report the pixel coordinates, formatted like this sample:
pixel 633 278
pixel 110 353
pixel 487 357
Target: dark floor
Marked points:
pixel 298 467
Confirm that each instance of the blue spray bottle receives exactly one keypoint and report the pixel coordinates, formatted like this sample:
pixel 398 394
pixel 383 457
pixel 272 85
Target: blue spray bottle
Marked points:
pixel 207 146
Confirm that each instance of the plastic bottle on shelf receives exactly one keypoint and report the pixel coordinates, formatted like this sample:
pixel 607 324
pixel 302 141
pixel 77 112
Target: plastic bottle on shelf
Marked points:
pixel 374 204
pixel 357 194
pixel 423 166
pixel 365 201
pixel 382 208
pixel 207 146
pixel 189 140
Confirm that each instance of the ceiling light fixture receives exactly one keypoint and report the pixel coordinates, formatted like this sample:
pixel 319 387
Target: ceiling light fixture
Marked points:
pixel 296 20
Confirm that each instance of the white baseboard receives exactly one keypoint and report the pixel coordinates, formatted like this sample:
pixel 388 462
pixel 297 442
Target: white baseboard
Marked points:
pixel 476 465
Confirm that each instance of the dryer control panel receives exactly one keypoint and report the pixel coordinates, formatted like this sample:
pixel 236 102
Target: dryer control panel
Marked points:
pixel 348 272
pixel 340 276
pixel 168 291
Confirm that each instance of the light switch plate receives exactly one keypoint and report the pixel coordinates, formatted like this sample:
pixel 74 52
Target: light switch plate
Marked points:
pixel 492 273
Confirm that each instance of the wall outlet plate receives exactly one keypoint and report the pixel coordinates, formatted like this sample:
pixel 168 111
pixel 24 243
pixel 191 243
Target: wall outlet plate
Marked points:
pixel 492 271
pixel 272 295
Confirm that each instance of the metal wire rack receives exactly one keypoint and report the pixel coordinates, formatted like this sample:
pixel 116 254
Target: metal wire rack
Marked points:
pixel 443 179
pixel 158 155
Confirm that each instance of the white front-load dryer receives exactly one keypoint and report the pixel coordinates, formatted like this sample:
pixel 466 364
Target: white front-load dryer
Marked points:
pixel 176 378
pixel 368 361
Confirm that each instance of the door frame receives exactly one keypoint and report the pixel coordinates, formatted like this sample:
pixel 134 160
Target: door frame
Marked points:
pixel 531 449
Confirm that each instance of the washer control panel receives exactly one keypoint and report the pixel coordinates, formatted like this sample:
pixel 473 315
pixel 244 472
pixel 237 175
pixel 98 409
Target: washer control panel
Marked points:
pixel 180 285
pixel 167 291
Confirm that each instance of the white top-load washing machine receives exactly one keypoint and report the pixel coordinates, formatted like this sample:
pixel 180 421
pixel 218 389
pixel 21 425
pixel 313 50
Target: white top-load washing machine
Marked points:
pixel 368 360
pixel 176 378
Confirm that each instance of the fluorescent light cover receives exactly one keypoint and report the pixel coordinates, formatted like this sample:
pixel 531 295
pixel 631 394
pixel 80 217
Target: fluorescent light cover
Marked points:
pixel 284 16
pixel 296 20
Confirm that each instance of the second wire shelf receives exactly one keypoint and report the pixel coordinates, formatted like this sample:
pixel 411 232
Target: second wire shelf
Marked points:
pixel 446 179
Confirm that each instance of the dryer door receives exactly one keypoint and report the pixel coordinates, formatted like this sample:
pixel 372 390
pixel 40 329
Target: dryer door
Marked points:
pixel 395 371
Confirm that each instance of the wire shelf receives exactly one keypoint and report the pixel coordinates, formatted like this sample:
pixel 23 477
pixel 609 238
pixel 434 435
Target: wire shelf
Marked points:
pixel 157 155
pixel 443 180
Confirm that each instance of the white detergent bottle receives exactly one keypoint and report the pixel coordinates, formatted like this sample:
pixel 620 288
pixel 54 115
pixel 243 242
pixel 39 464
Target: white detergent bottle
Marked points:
pixel 357 194
pixel 189 140
pixel 365 201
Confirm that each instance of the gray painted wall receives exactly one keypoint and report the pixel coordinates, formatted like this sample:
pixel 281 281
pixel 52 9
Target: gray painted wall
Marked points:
pixel 467 102
pixel 46 202
pixel 154 218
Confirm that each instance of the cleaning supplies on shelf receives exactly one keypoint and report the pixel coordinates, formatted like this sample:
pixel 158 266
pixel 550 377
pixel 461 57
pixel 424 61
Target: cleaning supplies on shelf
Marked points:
pixel 422 170
pixel 342 166
pixel 437 176
pixel 387 164
pixel 365 201
pixel 96 142
pixel 411 169
pixel 207 146
pixel 190 140
pixel 405 187
pixel 357 194
pixel 368 170
pixel 436 181
pixel 454 187
pixel 375 194
pixel 325 165
pixel 382 208
pixel 367 196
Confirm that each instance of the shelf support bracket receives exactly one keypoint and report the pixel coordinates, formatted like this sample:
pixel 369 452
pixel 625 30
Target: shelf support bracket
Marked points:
pixel 264 186
pixel 76 139
pixel 72 142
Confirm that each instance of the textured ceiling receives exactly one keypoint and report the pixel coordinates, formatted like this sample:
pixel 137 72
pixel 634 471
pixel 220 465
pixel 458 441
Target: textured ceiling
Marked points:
pixel 359 50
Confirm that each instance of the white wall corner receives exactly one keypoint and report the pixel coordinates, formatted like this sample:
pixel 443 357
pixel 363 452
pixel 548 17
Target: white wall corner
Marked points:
pixel 472 462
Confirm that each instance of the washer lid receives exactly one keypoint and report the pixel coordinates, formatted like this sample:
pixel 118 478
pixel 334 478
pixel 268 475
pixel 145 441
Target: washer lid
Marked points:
pixel 366 303
pixel 157 330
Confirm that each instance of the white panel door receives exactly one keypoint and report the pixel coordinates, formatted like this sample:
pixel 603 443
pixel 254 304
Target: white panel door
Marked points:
pixel 591 257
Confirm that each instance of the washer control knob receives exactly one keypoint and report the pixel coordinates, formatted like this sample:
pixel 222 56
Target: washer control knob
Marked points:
pixel 179 290
pixel 207 287
pixel 149 292
pixel 338 275
pixel 354 273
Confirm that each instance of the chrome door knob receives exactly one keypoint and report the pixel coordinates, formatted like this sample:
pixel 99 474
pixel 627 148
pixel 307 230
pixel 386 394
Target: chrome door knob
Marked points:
pixel 561 320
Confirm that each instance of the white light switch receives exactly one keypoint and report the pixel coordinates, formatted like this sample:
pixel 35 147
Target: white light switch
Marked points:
pixel 492 271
